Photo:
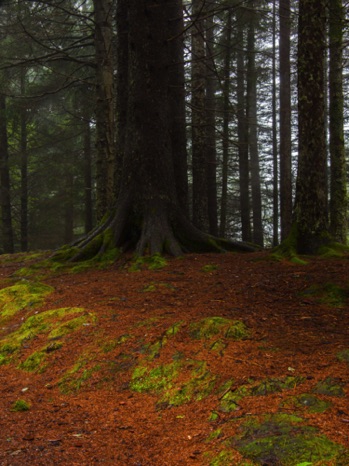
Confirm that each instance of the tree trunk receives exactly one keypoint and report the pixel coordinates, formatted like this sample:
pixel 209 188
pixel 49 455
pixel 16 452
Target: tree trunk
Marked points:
pixel 5 198
pixel 24 165
pixel 258 236
pixel 211 125
pixel 88 176
pixel 148 216
pixel 242 133
pixel 311 193
pixel 199 117
pixel 226 120
pixel 105 109
pixel 338 202
pixel 275 141
pixel 286 206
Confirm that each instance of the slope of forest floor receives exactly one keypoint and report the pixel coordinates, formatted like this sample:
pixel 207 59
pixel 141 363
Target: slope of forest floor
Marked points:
pixel 230 359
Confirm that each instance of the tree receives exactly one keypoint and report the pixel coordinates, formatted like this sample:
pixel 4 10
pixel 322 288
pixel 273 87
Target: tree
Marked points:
pixel 5 196
pixel 338 190
pixel 311 209
pixel 105 107
pixel 286 206
pixel 147 214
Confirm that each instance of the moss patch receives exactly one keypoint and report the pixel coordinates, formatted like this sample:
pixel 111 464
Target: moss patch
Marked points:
pixel 328 293
pixel 330 387
pixel 20 406
pixel 309 401
pixel 78 376
pixel 284 440
pixel 343 355
pixel 34 363
pixel 20 296
pixel 230 400
pixel 54 324
pixel 155 262
pixel 218 327
pixel 175 383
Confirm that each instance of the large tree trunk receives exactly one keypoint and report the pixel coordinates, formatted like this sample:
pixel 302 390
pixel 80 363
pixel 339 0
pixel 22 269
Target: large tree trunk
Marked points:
pixel 338 202
pixel 148 216
pixel 311 193
pixel 105 109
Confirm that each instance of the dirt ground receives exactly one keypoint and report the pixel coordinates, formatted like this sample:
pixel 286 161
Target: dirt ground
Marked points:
pixel 84 405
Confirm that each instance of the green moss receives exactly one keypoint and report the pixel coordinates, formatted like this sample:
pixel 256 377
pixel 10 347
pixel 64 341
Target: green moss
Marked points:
pixel 78 376
pixel 196 381
pixel 214 435
pixel 328 293
pixel 213 327
pixel 334 249
pixel 34 363
pixel 23 295
pixel 287 250
pixel 311 402
pixel 154 262
pixel 209 268
pixel 343 355
pixel 230 400
pixel 224 458
pixel 20 406
pixel 329 387
pixel 49 323
pixel 284 440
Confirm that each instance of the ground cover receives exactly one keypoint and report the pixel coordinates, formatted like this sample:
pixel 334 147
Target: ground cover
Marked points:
pixel 213 359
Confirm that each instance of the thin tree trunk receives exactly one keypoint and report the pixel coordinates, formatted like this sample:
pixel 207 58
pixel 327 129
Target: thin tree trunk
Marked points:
pixel 258 236
pixel 242 134
pixel 5 198
pixel 211 126
pixel 24 166
pixel 226 120
pixel 285 120
pixel 88 176
pixel 338 202
pixel 275 142
pixel 199 120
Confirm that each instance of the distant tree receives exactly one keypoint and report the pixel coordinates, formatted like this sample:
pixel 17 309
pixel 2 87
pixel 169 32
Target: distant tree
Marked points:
pixel 258 235
pixel 5 196
pixel 311 209
pixel 286 202
pixel 199 116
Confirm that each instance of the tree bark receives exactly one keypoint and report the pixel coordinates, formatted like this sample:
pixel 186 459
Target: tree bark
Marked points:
pixel 258 235
pixel 105 108
pixel 211 124
pixel 244 179
pixel 24 164
pixel 148 216
pixel 226 120
pixel 286 206
pixel 5 185
pixel 199 117
pixel 311 194
pixel 338 190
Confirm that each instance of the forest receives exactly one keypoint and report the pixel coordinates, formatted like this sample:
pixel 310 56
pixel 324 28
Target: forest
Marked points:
pixel 171 127
pixel 173 233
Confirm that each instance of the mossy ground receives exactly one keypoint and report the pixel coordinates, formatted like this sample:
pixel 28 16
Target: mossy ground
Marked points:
pixel 230 365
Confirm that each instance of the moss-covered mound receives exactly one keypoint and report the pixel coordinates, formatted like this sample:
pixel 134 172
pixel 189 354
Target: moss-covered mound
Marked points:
pixel 282 439
pixel 24 294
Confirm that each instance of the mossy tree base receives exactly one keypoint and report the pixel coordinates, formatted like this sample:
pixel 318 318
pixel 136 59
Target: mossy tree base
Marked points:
pixel 161 228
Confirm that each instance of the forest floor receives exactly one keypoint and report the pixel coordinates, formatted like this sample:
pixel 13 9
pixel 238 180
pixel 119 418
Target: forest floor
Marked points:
pixel 230 359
